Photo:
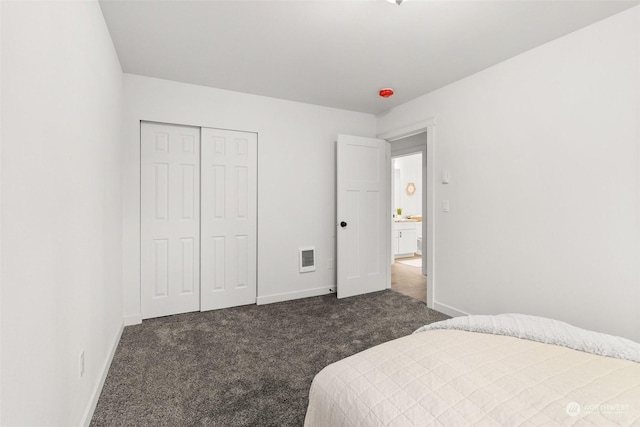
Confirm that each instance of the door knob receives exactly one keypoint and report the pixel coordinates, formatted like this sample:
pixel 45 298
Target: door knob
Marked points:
pixel 343 224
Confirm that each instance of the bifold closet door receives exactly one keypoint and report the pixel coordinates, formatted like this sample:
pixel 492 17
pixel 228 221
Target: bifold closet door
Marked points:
pixel 228 218
pixel 170 219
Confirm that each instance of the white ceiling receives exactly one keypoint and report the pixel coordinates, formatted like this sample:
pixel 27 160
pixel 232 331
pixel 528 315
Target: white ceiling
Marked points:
pixel 335 53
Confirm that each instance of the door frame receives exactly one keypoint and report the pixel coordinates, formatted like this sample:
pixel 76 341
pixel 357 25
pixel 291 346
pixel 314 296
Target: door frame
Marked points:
pixel 398 153
pixel 427 148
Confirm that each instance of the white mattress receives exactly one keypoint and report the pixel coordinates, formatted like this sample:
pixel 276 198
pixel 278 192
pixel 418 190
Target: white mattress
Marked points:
pixel 460 378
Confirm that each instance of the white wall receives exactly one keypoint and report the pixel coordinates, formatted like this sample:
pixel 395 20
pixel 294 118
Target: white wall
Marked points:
pixel 0 213
pixel 543 155
pixel 61 209
pixel 410 171
pixel 296 182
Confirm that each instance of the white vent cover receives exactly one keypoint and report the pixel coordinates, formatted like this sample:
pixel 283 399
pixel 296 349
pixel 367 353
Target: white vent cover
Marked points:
pixel 307 260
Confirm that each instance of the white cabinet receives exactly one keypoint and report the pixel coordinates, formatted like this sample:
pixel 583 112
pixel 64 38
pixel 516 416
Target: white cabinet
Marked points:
pixel 405 239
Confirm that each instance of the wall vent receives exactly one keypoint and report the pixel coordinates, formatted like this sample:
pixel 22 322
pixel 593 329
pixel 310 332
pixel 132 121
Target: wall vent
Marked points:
pixel 307 260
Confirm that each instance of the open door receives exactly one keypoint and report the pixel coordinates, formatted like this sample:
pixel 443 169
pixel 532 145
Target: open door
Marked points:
pixel 363 222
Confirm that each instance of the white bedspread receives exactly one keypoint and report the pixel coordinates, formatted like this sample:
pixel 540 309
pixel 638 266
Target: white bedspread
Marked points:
pixel 460 378
pixel 544 330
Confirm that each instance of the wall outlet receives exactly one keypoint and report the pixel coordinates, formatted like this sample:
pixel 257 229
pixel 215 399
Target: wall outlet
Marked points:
pixel 330 263
pixel 81 363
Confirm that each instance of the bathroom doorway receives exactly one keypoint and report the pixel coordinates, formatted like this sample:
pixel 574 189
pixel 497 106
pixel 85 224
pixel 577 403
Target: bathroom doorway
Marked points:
pixel 408 193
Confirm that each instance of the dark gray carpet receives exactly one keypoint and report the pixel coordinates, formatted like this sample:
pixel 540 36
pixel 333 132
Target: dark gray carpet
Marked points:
pixel 244 366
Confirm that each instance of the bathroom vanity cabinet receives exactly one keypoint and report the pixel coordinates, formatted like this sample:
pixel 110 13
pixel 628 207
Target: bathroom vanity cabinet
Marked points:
pixel 405 238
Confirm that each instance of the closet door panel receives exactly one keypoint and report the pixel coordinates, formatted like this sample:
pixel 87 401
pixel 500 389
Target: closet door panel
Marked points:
pixel 170 220
pixel 229 218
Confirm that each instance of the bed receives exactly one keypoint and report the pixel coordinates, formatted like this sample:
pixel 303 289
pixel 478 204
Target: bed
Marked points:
pixel 508 370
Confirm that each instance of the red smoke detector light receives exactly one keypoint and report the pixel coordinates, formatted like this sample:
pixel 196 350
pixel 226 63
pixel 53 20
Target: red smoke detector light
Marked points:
pixel 386 92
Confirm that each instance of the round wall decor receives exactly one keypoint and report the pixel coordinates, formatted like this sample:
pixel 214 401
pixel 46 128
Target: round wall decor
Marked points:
pixel 411 188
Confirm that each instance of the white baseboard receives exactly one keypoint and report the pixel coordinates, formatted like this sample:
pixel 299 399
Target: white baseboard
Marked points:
pixel 132 319
pixel 448 310
pixel 286 296
pixel 95 395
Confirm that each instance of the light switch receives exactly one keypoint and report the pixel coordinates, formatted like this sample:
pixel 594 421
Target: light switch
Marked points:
pixel 445 206
pixel 445 177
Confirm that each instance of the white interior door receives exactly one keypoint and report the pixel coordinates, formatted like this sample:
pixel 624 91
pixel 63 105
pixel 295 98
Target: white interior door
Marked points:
pixel 229 218
pixel 364 224
pixel 170 222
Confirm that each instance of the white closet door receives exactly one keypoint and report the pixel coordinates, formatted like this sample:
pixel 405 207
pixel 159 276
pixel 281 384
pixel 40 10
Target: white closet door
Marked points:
pixel 170 221
pixel 229 218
